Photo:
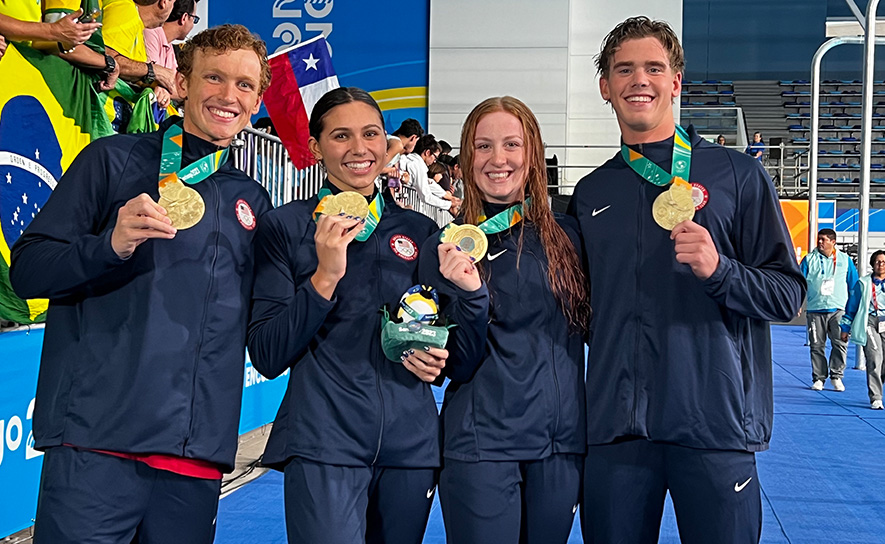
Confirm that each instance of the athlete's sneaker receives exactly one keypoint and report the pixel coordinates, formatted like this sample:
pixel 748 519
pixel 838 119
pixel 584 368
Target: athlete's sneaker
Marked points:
pixel 837 384
pixel 818 385
pixel 876 405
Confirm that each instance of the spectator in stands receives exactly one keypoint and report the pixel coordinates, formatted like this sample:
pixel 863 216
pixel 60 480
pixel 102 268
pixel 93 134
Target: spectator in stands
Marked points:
pixel 408 132
pixel 141 374
pixel 123 35
pixel 864 321
pixel 444 148
pixel 830 275
pixel 457 178
pixel 720 140
pixel 679 373
pixel 65 30
pixel 440 172
pixel 61 33
pixel 158 41
pixel 757 147
pixel 424 154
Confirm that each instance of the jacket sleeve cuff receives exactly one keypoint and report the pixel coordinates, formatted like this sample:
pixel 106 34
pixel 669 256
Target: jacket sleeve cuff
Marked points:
pixel 317 299
pixel 714 283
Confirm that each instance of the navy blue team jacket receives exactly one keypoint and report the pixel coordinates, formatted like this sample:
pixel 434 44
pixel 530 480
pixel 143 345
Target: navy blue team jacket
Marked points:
pixel 517 372
pixel 143 355
pixel 673 358
pixel 346 403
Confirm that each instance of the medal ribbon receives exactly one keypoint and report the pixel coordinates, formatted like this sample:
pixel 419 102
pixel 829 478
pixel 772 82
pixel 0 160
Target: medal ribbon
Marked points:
pixel 376 209
pixel 170 160
pixel 649 171
pixel 504 220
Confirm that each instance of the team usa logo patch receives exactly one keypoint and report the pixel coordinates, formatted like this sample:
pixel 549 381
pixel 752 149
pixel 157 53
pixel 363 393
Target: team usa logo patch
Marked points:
pixel 699 196
pixel 245 215
pixel 404 247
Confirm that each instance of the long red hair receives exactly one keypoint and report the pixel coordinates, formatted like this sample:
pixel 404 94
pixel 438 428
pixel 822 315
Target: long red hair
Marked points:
pixel 564 274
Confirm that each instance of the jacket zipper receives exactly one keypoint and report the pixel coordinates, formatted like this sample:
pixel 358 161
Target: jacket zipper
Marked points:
pixel 375 363
pixel 205 313
pixel 638 319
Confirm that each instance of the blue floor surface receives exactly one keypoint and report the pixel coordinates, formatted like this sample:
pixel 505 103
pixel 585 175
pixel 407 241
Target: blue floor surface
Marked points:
pixel 823 480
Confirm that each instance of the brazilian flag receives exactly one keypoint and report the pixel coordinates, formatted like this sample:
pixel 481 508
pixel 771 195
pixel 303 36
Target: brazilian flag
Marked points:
pixel 48 113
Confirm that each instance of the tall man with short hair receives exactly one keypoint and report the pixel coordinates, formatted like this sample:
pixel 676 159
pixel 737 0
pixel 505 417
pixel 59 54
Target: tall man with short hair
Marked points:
pixel 679 391
pixel 830 275
pixel 137 403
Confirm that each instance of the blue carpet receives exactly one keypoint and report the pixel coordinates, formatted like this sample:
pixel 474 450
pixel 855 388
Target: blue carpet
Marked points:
pixel 823 480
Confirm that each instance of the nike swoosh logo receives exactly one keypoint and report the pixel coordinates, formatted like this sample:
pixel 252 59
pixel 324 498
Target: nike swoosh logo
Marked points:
pixel 600 210
pixel 496 255
pixel 739 488
pixel 429 492
pixel 574 508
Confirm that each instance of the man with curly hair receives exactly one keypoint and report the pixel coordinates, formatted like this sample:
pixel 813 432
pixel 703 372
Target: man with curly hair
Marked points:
pixel 140 382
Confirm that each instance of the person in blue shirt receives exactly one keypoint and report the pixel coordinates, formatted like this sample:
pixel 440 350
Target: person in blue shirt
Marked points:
pixel 757 147
pixel 864 322
pixel 830 274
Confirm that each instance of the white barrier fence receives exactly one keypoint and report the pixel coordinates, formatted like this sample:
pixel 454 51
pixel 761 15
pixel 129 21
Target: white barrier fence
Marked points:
pixel 264 158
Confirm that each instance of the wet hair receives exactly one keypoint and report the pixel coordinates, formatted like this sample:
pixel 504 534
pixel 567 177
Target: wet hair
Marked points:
pixel 829 233
pixel 564 274
pixel 426 142
pixel 335 98
pixel 180 8
pixel 409 128
pixel 222 39
pixel 636 28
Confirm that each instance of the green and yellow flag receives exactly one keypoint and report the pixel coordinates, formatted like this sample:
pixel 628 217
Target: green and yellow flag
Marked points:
pixel 48 113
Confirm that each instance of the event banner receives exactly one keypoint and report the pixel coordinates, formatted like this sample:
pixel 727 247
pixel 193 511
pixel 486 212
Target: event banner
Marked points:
pixel 20 464
pixel 379 46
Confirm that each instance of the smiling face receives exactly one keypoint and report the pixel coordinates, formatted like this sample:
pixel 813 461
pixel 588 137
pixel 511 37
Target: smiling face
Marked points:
pixel 641 87
pixel 352 145
pixel 221 94
pixel 499 158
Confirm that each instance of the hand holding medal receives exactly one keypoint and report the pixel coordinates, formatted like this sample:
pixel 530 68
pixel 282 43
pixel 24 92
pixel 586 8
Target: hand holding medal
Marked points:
pixel 184 206
pixel 467 238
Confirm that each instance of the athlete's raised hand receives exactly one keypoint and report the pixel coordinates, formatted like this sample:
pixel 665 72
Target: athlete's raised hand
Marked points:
pixel 333 234
pixel 425 363
pixel 139 220
pixel 458 267
pixel 695 247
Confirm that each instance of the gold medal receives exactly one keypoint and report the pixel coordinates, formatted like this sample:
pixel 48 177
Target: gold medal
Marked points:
pixel 667 213
pixel 184 206
pixel 469 238
pixel 353 204
pixel 679 194
pixel 185 212
pixel 349 203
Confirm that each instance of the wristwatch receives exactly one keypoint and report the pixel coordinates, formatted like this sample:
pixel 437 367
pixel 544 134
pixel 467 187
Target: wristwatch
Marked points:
pixel 109 65
pixel 149 77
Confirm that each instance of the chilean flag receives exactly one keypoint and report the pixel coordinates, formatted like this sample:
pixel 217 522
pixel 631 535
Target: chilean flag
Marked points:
pixel 300 75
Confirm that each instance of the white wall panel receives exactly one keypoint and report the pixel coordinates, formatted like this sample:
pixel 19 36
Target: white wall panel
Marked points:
pixel 493 48
pixel 590 120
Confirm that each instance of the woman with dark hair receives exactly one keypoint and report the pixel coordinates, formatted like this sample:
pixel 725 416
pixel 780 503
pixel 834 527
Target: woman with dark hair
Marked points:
pixel 356 435
pixel 513 417
pixel 864 321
